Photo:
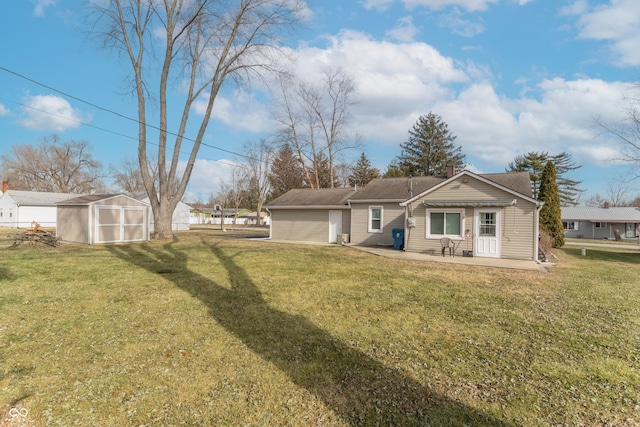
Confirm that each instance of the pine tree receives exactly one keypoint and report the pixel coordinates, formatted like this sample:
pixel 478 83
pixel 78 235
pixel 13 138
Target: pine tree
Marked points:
pixel 322 169
pixel 534 163
pixel 430 148
pixel 286 172
pixel 362 172
pixel 550 214
pixel 393 170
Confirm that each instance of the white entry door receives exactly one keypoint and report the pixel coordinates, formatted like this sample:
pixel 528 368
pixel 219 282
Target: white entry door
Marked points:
pixel 335 225
pixel 487 233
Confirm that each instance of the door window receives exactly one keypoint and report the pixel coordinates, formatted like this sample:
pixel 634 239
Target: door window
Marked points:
pixel 487 224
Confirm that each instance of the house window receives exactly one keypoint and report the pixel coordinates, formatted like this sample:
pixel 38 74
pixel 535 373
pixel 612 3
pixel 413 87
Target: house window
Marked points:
pixel 0 212
pixel 445 223
pixel 601 225
pixel 570 225
pixel 375 219
pixel 10 213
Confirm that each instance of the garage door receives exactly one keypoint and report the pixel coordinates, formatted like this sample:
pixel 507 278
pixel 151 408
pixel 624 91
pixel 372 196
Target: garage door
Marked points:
pixel 120 224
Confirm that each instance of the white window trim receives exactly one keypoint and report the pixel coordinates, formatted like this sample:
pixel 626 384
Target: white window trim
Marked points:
pixel 372 230
pixel 439 236
pixel 569 226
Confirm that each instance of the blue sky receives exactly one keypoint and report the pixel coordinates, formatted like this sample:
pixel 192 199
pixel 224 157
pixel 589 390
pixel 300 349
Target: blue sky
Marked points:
pixel 508 77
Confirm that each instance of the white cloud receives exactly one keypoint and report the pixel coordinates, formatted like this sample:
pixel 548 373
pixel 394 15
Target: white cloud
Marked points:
pixel 240 111
pixel 4 111
pixel 617 22
pixel 459 25
pixel 207 177
pixel 50 112
pixel 561 118
pixel 470 5
pixel 404 31
pixel 40 6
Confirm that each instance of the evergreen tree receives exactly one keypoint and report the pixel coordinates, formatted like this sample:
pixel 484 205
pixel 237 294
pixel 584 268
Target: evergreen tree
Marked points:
pixel 286 172
pixel 550 215
pixel 430 149
pixel 393 170
pixel 322 170
pixel 362 173
pixel 535 162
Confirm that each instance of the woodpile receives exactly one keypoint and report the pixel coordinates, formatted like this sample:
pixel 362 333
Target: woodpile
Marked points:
pixel 35 236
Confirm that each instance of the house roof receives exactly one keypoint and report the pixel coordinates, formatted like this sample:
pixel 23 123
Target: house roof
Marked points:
pixel 305 197
pixel 392 190
pixel 37 198
pixel 395 189
pixel 92 198
pixel 520 182
pixel 591 214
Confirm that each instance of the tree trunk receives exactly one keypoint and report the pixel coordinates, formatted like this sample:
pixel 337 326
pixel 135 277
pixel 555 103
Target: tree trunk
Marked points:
pixel 163 221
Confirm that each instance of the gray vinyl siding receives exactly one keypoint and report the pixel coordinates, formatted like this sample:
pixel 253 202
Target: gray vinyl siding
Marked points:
pixel 588 230
pixel 392 217
pixel 302 225
pixel 517 222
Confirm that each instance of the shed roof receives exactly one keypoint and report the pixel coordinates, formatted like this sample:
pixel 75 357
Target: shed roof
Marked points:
pixel 306 197
pixel 596 214
pixel 37 198
pixel 89 199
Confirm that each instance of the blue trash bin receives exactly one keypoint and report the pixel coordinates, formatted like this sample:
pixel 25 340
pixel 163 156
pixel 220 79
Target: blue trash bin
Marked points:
pixel 398 238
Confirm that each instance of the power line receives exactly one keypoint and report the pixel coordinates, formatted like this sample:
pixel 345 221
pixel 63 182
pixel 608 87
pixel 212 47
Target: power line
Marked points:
pixel 107 110
pixel 104 129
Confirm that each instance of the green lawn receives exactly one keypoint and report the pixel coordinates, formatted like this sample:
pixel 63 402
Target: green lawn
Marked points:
pixel 213 330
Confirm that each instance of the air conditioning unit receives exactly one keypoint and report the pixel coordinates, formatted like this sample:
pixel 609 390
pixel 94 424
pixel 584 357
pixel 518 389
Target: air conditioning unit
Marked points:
pixel 343 239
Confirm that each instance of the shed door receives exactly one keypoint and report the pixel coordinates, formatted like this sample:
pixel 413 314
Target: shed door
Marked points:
pixel 487 233
pixel 120 224
pixel 335 225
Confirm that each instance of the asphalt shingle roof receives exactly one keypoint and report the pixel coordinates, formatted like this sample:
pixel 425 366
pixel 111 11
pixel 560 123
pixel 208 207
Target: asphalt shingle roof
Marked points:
pixel 305 197
pixel 613 214
pixel 38 198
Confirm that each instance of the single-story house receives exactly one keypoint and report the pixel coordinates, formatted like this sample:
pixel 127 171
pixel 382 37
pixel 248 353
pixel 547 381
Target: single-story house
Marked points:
pixel 488 215
pixel 180 220
pixel 103 218
pixel 251 218
pixel 18 209
pixel 600 222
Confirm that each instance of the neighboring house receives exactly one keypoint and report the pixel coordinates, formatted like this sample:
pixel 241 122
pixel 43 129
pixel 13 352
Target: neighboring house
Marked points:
pixel 601 222
pixel 18 209
pixel 489 215
pixel 181 219
pixel 196 216
pixel 251 218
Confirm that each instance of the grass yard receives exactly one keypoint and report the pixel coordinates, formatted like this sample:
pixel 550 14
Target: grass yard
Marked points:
pixel 212 330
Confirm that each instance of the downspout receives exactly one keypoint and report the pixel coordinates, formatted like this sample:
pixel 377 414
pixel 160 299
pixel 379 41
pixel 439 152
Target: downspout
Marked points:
pixel 408 213
pixel 270 222
pixel 536 238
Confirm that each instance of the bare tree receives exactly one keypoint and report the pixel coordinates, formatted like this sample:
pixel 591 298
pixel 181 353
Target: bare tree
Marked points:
pixel 256 167
pixel 203 43
pixel 313 119
pixel 128 178
pixel 627 130
pixel 53 166
pixel 616 196
pixel 235 189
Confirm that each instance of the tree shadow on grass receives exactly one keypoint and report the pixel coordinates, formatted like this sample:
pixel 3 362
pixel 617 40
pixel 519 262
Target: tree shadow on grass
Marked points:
pixel 359 389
